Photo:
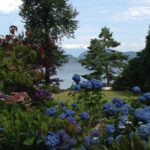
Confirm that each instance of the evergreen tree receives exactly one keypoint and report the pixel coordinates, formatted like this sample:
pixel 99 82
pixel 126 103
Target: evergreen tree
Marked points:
pixel 47 21
pixel 145 64
pixel 105 62
pixel 137 71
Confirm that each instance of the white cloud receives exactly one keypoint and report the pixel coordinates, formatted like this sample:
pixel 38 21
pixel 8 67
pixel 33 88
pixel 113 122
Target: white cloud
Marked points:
pixel 139 12
pixel 74 46
pixel 133 13
pixel 131 45
pixel 7 6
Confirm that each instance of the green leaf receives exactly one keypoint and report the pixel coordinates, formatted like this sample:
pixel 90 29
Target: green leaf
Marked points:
pixel 29 141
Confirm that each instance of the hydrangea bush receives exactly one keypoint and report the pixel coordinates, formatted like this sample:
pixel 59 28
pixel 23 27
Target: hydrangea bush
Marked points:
pixel 87 123
pixel 87 94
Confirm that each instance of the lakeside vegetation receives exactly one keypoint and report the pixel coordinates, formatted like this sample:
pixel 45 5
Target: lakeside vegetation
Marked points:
pixel 35 116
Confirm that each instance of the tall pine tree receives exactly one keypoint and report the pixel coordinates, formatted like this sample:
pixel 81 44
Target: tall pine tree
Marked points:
pixel 137 72
pixel 100 59
pixel 47 21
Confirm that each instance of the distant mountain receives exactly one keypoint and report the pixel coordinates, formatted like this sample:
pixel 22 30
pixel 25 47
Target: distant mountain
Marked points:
pixel 71 59
pixel 82 55
pixel 130 54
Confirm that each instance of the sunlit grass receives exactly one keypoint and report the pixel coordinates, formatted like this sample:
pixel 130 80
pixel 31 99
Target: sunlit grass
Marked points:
pixel 107 95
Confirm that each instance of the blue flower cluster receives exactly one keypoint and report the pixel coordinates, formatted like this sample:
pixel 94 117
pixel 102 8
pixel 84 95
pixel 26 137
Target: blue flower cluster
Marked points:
pixel 74 105
pixel 60 140
pixel 109 128
pixel 118 106
pixel 91 84
pixel 52 139
pixel 136 89
pixel 69 115
pixel 84 115
pixel 143 114
pixel 144 131
pixel 123 121
pixel 92 139
pixel 96 84
pixel 76 78
pixel 109 109
pixel 43 94
pixel 118 102
pixel 88 84
pixel 51 111
pixel 145 97
pixel 75 87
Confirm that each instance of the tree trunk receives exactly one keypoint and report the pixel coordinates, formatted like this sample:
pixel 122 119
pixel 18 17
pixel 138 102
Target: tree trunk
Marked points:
pixel 47 74
pixel 107 76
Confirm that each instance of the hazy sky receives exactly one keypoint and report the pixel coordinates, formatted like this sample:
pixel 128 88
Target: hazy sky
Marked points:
pixel 127 19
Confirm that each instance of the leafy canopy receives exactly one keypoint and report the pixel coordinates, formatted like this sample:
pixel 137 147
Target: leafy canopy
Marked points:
pixel 101 59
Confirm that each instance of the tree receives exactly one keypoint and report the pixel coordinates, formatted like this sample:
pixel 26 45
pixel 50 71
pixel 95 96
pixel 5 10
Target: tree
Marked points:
pixel 101 59
pixel 137 71
pixel 17 60
pixel 49 21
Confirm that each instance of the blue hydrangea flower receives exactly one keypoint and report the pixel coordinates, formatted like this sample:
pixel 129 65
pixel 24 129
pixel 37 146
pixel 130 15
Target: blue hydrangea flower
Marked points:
pixel 69 112
pixel 52 139
pixel 51 111
pixel 147 95
pixel 138 113
pixel 124 119
pixel 109 128
pixel 67 142
pixel 43 94
pixel 74 105
pixel 76 78
pixel 87 140
pixel 118 102
pixel 144 131
pixel 142 98
pixel 147 108
pixel 121 126
pixel 125 109
pixel 71 120
pixel 86 85
pixel 143 114
pixel 84 115
pixel 110 140
pixel 110 109
pixel 146 117
pixel 95 133
pixel 97 84
pixel 75 87
pixel 63 116
pixel 95 140
pixel 136 89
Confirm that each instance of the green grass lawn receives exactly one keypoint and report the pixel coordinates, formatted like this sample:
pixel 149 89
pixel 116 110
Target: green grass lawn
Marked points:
pixel 108 95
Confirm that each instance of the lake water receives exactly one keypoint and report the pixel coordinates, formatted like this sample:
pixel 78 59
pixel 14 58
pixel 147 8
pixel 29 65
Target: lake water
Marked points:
pixel 67 71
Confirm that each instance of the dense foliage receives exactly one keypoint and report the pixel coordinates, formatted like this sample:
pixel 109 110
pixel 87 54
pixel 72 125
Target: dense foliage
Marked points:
pixel 49 21
pixel 17 63
pixel 137 72
pixel 84 125
pixel 104 62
